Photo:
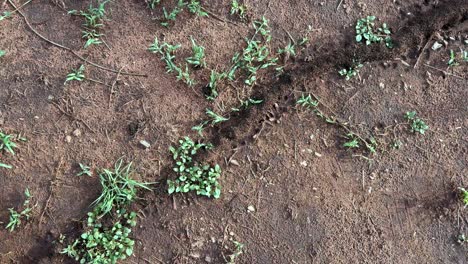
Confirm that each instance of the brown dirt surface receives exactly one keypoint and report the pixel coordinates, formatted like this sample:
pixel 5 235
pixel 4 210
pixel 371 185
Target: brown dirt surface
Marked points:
pixel 314 200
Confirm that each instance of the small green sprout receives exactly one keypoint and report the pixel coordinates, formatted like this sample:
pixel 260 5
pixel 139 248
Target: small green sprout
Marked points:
pixel 396 144
pixel 353 141
pixel 290 49
pixel 307 101
pixel 464 195
pixel 85 170
pixel 199 128
pixel 76 75
pixel 351 71
pixel 195 8
pixel 15 217
pixel 453 59
pixel 198 57
pixel 173 14
pixel 153 3
pixel 238 9
pixel 365 32
pixel 304 41
pixel 236 253
pixel 417 124
pixel 215 117
pixel 215 77
pixel 2 53
pixel 94 18
pixel 7 144
pixel 193 176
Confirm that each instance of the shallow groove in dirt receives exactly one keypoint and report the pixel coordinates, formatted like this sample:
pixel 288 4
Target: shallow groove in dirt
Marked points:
pixel 277 95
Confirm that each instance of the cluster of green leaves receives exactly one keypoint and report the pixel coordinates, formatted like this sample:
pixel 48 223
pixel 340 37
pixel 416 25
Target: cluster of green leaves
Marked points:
pixel 215 77
pixel 193 6
pixel 106 244
pixel 215 118
pixel 7 144
pixel 84 170
pixel 454 60
pixel 198 57
pixel 365 32
pixel 167 51
pixel 238 9
pixel 353 139
pixel 416 123
pixel 236 252
pixel 2 53
pixel 256 55
pixel 289 50
pixel 94 17
pixel 153 3
pixel 351 71
pixel 193 176
pixel 15 217
pixel 76 75
pixel 246 104
pixel 464 196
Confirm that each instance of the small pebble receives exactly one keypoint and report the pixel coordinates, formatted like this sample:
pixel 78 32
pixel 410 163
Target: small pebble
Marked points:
pixel 251 209
pixel 304 163
pixel 77 132
pixel 234 162
pixel 145 144
pixel 436 46
pixel 68 139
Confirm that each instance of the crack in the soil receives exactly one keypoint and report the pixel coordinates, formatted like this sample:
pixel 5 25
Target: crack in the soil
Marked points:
pixel 415 31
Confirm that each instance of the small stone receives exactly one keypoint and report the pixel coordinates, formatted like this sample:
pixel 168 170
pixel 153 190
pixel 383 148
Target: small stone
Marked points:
pixel 77 132
pixel 304 163
pixel 208 259
pixel 318 154
pixel 145 144
pixel 195 255
pixel 250 208
pixel 381 85
pixel 68 139
pixel 50 97
pixel 436 46
pixel 235 162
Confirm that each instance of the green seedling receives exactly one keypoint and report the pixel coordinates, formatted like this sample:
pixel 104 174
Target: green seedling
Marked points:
pixel 94 18
pixel 464 196
pixel 195 8
pixel 118 188
pixel 465 55
pixel 2 53
pixel 199 128
pixel 185 76
pixel 255 56
pixel 246 104
pixel 353 141
pixel 106 240
pixel 193 176
pixel 289 50
pixel 172 16
pixel 304 41
pixel 365 32
pixel 7 145
pixel 85 170
pixel 198 57
pixel 396 144
pixel 8 14
pixel 153 3
pixel 417 124
pixel 238 9
pixel 453 59
pixel 351 71
pixel 215 117
pixel 16 217
pixel 215 77
pixel 76 75
pixel 236 253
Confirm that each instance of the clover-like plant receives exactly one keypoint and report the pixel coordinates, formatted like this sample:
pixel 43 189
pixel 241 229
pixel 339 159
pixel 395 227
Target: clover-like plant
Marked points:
pixel 192 175
pixel 366 33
